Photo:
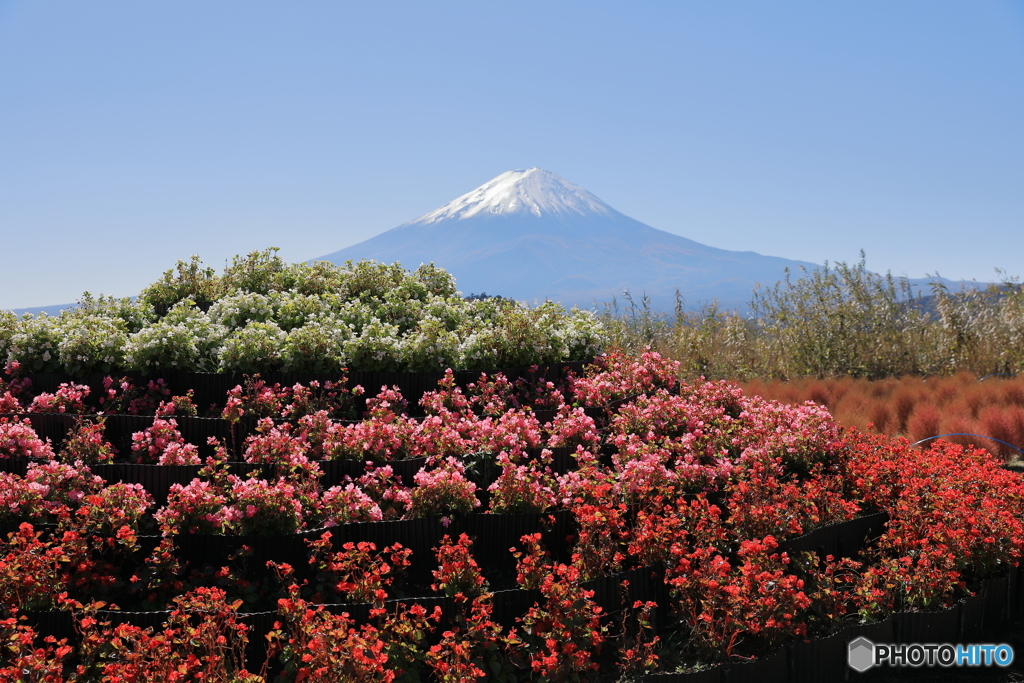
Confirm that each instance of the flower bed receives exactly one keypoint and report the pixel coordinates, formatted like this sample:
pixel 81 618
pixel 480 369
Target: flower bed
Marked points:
pixel 686 526
pixel 265 315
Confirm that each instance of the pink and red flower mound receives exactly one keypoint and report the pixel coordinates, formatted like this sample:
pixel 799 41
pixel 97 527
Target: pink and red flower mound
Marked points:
pixel 641 524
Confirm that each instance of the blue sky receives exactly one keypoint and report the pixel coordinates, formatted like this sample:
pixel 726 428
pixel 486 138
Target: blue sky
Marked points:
pixel 133 134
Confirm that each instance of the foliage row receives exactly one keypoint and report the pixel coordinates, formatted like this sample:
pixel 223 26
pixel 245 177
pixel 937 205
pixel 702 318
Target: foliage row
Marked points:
pixel 263 314
pixel 838 320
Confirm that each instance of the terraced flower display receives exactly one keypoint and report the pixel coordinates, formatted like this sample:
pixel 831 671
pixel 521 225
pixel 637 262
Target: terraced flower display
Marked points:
pixel 613 525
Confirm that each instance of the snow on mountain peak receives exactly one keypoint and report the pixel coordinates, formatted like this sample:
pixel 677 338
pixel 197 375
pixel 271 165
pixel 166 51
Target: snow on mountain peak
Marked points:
pixel 532 190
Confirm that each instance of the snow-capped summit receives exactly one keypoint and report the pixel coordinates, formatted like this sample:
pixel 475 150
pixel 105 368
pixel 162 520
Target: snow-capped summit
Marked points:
pixel 533 190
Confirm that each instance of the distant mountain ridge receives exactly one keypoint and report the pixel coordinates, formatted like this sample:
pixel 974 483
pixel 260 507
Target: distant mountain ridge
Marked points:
pixel 532 235
pixel 54 309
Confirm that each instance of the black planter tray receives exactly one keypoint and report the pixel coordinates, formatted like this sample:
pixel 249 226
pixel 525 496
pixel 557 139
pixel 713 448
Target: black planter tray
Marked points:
pixel 215 549
pixel 158 479
pixel 52 427
pixel 843 539
pixel 824 659
pixel 18 465
pixel 494 535
pixel 118 430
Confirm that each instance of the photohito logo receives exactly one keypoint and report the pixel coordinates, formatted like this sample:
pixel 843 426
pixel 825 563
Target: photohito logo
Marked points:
pixel 862 654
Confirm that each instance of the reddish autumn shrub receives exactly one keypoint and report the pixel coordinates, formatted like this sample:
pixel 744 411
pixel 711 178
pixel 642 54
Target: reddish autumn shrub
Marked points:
pixel 918 408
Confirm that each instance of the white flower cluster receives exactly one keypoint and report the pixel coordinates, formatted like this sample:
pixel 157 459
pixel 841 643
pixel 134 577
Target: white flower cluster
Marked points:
pixel 90 343
pixel 308 318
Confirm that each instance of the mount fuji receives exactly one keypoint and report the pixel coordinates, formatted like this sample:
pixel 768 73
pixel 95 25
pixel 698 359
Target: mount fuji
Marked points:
pixel 532 235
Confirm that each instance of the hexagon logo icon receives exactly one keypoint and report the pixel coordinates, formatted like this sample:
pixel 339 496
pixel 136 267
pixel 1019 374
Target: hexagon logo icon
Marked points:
pixel 860 654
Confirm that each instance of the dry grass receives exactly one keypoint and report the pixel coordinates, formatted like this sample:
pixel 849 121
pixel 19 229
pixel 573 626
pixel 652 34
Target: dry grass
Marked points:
pixel 835 321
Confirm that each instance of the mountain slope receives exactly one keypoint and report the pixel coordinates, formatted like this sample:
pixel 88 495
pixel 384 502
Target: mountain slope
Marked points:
pixel 532 235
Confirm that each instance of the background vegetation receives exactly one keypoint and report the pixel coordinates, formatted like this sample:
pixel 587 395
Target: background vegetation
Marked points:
pixel 917 407
pixel 839 320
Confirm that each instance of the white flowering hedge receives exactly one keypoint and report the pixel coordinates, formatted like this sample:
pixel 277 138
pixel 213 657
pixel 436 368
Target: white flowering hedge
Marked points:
pixel 262 314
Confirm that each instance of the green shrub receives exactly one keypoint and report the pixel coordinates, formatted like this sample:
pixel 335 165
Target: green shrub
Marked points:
pixel 397 309
pixel 582 336
pixel 452 311
pixel 263 314
pixel 438 281
pixel 377 347
pixel 317 278
pixel 292 310
pixel 132 315
pixel 90 343
pixel 317 346
pixel 185 339
pixel 241 308
pixel 356 315
pixel 369 281
pixel 259 272
pixel 257 347
pixel 35 344
pixel 8 328
pixel 431 346
pixel 187 280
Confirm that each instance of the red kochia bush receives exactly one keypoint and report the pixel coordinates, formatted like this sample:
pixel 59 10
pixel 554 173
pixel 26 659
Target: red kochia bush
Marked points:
pixel 918 407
